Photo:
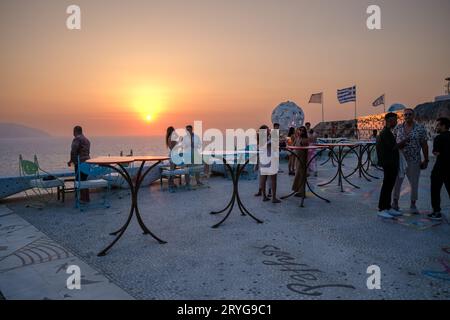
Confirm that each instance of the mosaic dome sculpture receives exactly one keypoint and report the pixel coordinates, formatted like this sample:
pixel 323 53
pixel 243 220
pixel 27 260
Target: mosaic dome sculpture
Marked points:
pixel 288 114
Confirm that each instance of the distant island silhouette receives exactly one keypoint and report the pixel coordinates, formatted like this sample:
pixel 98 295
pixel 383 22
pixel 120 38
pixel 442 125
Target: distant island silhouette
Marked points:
pixel 14 130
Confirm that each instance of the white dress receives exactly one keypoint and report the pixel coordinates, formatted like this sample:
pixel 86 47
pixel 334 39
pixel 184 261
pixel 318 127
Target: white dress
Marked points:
pixel 269 161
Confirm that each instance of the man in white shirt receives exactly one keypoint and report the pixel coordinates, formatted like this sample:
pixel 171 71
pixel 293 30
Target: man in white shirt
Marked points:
pixel 417 142
pixel 192 153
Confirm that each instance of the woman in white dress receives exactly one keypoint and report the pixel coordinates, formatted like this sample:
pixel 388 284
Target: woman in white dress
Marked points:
pixel 268 166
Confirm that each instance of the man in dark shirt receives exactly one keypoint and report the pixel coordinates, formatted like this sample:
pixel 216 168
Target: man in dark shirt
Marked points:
pixel 388 158
pixel 80 150
pixel 441 170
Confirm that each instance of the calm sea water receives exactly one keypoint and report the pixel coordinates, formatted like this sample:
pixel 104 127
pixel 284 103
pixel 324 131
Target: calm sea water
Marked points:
pixel 53 153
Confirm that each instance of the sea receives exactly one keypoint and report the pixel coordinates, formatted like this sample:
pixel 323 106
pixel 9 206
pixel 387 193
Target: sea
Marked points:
pixel 53 153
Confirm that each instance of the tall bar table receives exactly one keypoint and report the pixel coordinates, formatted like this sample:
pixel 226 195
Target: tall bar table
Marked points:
pixel 339 157
pixel 292 150
pixel 242 158
pixel 117 164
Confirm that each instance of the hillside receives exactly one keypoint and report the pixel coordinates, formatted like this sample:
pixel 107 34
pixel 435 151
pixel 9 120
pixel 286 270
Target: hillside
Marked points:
pixel 13 130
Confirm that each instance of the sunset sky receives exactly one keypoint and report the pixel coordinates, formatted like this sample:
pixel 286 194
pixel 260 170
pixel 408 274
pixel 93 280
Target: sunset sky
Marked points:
pixel 137 67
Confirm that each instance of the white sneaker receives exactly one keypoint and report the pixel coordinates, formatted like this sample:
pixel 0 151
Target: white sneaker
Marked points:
pixel 385 214
pixel 395 213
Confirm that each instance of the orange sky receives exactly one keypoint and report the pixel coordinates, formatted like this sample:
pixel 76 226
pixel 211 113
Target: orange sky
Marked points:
pixel 227 63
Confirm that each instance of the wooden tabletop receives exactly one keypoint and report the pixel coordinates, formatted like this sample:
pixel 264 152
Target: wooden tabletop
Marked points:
pixel 121 160
pixel 110 160
pixel 150 158
pixel 227 153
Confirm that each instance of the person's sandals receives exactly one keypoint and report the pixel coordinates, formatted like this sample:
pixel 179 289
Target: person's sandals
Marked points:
pixel 275 200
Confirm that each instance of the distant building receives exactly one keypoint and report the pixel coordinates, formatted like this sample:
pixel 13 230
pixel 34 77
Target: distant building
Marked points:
pixel 446 95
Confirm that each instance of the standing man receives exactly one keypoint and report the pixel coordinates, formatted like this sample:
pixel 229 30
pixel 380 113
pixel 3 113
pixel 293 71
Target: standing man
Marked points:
pixel 417 142
pixel 441 170
pixel 388 158
pixel 80 149
pixel 191 154
pixel 308 126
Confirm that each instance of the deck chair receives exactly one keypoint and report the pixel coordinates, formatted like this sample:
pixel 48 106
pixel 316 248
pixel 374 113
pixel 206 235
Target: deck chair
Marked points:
pixel 95 180
pixel 42 183
pixel 167 172
pixel 200 170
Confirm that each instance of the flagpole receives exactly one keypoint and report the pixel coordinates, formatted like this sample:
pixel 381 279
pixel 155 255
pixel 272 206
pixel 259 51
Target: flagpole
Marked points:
pixel 323 118
pixel 356 123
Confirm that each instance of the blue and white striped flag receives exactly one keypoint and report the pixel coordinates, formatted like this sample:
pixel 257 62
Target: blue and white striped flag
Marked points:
pixel 347 95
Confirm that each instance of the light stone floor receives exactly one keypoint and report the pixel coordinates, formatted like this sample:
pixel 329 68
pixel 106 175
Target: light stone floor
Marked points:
pixel 321 251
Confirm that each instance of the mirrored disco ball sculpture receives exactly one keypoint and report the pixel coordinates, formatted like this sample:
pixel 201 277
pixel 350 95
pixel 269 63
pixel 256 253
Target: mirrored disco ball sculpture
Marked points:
pixel 288 114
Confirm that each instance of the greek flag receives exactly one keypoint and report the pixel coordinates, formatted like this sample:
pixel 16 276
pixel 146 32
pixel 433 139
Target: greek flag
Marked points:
pixel 378 101
pixel 346 95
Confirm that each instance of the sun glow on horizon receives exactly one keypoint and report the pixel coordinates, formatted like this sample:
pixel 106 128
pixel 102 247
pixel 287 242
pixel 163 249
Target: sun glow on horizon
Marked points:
pixel 148 102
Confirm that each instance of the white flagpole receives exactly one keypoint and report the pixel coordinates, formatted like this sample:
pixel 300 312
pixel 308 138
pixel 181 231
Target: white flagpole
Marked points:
pixel 356 123
pixel 323 118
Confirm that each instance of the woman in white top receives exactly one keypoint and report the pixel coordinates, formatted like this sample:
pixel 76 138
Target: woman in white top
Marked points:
pixel 170 144
pixel 267 167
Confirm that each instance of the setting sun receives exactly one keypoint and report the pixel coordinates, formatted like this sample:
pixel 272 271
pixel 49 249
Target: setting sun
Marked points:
pixel 148 102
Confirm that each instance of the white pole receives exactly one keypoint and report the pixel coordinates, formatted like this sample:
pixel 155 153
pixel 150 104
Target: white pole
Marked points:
pixel 356 123
pixel 323 118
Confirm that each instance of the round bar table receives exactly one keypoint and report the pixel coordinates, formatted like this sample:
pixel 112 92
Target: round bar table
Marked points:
pixel 339 157
pixel 292 150
pixel 117 164
pixel 243 158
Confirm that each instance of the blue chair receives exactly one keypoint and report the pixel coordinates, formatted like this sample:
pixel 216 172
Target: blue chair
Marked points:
pixel 95 180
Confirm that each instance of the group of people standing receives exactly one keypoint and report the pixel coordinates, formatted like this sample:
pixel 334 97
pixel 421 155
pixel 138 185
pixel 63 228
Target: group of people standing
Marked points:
pixel 400 149
pixel 299 165
pixel 191 143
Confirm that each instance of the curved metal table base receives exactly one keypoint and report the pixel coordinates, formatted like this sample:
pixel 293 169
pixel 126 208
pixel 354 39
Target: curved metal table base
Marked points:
pixel 340 156
pixel 361 166
pixel 134 210
pixel 235 198
pixel 307 182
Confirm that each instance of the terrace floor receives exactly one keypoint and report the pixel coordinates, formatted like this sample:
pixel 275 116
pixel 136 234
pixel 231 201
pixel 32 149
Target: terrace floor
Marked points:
pixel 321 251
